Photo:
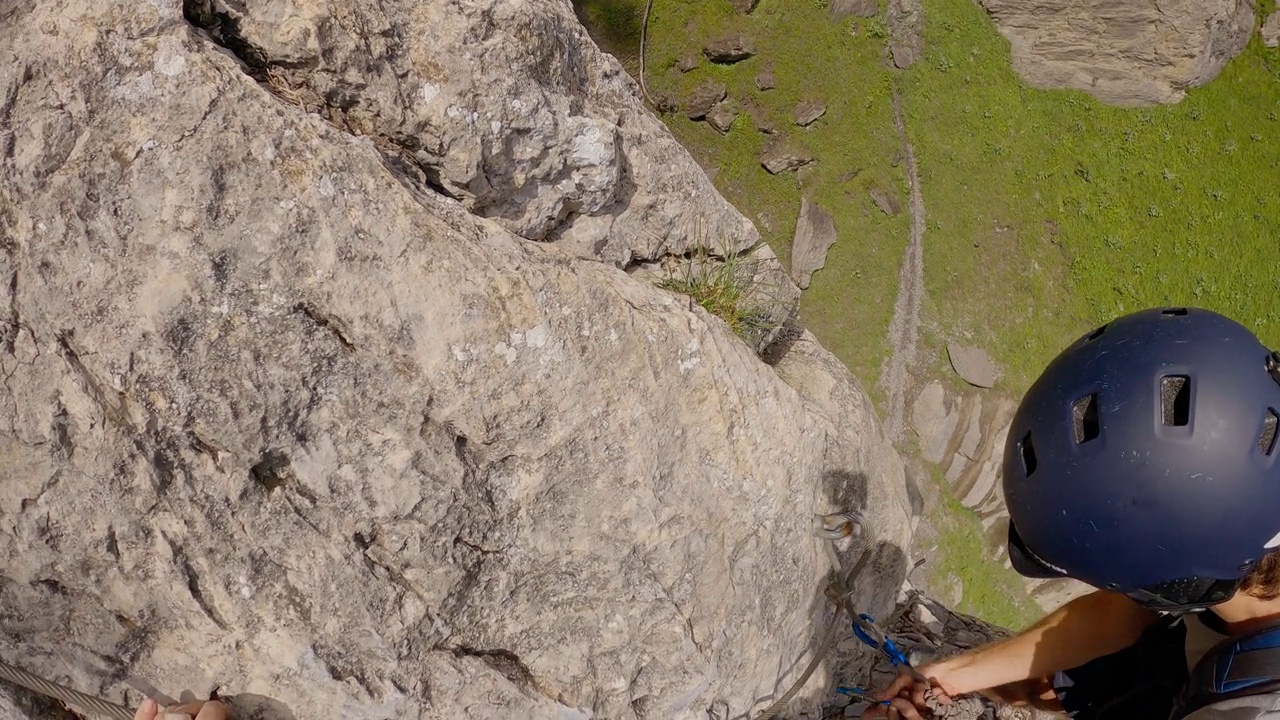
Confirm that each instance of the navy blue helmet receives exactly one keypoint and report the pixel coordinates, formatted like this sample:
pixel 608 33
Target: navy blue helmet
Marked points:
pixel 1144 460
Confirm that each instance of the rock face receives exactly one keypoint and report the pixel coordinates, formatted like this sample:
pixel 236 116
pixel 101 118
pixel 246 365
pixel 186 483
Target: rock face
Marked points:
pixel 541 136
pixel 1127 53
pixel 815 234
pixel 269 393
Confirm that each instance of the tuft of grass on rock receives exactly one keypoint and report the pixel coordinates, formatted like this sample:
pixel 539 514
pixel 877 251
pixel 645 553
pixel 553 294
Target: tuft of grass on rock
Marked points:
pixel 724 288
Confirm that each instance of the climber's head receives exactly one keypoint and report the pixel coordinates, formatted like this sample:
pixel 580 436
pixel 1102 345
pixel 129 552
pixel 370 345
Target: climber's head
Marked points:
pixel 1144 460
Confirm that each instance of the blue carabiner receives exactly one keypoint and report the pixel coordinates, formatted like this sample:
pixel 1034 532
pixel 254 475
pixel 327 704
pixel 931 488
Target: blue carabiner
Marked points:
pixel 884 644
pixel 860 693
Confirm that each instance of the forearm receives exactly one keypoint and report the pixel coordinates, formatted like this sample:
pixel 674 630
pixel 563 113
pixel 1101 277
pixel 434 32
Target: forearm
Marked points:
pixel 1088 627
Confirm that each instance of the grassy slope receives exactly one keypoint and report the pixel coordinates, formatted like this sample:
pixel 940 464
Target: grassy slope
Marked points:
pixel 850 301
pixel 1050 212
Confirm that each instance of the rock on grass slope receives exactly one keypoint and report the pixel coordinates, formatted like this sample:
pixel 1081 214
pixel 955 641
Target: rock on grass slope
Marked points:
pixel 1123 52
pixel 283 417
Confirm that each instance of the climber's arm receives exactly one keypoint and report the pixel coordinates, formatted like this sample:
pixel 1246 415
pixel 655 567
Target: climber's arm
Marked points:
pixel 1086 628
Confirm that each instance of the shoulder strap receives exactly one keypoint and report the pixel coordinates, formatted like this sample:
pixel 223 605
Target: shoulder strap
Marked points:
pixel 1235 667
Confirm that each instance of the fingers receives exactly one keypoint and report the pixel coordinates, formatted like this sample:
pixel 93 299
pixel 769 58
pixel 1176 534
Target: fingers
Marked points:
pixel 213 710
pixel 202 710
pixel 900 683
pixel 147 710
pixel 902 709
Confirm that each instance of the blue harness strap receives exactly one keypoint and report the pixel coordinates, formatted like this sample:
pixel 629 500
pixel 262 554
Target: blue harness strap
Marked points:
pixel 1235 667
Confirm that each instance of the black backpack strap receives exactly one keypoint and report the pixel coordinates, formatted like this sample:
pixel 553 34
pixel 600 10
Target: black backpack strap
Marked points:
pixel 1235 667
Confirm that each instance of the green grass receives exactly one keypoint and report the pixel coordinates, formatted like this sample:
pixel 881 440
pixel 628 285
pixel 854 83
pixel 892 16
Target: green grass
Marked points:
pixel 723 287
pixel 850 301
pixel 1050 212
pixel 990 590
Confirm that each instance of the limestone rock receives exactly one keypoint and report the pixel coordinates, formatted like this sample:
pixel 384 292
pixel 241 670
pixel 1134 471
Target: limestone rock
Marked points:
pixel 722 115
pixel 702 98
pixel 808 111
pixel 973 365
pixel 933 421
pixel 688 61
pixel 781 158
pixel 506 105
pixel 1270 30
pixel 1123 52
pixel 841 9
pixel 886 200
pixel 744 7
pixel 760 118
pixel 729 49
pixel 765 79
pixel 269 395
pixel 815 234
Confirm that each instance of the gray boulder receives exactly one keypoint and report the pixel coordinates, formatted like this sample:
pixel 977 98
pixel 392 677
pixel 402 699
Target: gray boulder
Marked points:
pixel 702 98
pixel 815 234
pixel 841 9
pixel 808 111
pixel 1123 52
pixel 973 365
pixel 729 49
pixel 1270 30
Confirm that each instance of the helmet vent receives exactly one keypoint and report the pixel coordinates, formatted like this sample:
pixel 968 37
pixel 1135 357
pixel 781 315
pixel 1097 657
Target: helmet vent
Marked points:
pixel 1095 334
pixel 1267 440
pixel 1028 454
pixel 1175 399
pixel 1174 311
pixel 1084 416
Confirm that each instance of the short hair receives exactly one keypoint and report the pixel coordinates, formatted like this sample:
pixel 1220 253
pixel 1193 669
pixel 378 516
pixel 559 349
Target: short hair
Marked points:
pixel 1263 582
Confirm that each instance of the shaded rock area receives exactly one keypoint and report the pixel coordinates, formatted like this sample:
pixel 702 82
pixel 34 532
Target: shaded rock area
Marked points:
pixel 729 49
pixel 841 9
pixel 973 365
pixel 964 436
pixel 743 7
pixel 702 98
pixel 1270 30
pixel 808 111
pixel 815 234
pixel 541 136
pixel 886 200
pixel 1123 52
pixel 782 158
pixel 275 391
pixel 906 32
pixel 765 79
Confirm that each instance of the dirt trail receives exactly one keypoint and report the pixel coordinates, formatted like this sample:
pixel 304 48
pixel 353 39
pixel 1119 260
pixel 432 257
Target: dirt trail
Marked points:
pixel 906 309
